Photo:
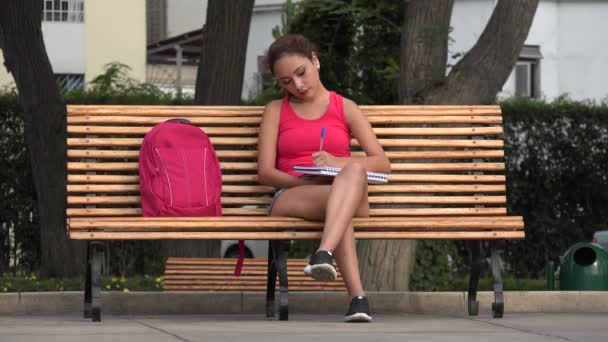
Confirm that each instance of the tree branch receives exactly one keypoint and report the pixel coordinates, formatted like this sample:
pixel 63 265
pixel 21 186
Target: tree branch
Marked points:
pixel 481 73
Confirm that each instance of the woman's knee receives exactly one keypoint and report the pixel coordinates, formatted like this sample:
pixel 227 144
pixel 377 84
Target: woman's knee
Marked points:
pixel 355 172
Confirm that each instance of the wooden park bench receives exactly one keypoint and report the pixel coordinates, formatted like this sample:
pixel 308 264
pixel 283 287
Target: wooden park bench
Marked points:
pixel 448 182
pixel 217 274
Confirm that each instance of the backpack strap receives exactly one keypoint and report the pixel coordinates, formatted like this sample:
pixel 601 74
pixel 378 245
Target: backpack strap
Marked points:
pixel 239 263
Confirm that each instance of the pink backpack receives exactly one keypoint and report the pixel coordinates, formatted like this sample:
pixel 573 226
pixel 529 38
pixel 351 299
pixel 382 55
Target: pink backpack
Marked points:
pixel 179 172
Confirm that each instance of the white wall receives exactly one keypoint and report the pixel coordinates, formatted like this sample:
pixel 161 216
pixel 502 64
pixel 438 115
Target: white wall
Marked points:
pixel 185 16
pixel 583 52
pixel 65 46
pixel 544 32
pixel 260 38
pixel 6 79
pixel 571 36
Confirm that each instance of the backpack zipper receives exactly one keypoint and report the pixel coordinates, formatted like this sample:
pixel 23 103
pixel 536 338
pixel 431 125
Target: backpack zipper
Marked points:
pixel 205 175
pixel 166 174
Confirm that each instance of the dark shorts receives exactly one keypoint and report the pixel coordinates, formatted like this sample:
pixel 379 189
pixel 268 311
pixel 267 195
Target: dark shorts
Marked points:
pixel 274 199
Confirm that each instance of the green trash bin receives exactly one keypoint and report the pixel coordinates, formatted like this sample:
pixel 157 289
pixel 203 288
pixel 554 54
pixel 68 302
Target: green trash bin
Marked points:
pixel 584 268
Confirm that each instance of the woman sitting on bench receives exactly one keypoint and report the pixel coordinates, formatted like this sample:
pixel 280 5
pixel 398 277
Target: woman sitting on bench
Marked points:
pixel 312 126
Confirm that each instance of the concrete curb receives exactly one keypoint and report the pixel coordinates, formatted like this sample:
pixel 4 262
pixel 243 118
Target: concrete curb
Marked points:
pixel 160 303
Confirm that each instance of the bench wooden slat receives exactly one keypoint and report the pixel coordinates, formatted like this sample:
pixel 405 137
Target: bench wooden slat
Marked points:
pixel 227 141
pixel 253 131
pixel 178 261
pixel 426 178
pixel 238 111
pixel 252 121
pixel 402 212
pixel 480 224
pixel 259 189
pixel 432 235
pixel 468 154
pixel 282 219
pixel 231 166
pixel 267 200
pixel 230 281
pixel 306 287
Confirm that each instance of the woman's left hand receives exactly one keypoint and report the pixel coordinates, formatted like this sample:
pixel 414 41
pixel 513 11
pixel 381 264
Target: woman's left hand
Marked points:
pixel 323 158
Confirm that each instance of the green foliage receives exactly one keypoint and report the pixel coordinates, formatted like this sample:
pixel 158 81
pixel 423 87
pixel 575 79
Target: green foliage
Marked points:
pixel 358 43
pixel 19 230
pixel 436 266
pixel 19 226
pixel 32 283
pixel 327 24
pixel 115 86
pixel 555 156
pixel 301 249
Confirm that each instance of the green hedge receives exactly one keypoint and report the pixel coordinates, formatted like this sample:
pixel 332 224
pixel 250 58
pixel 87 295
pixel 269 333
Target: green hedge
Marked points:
pixel 555 159
pixel 555 155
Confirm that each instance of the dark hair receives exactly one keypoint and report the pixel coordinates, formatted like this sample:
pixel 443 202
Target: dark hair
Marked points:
pixel 291 44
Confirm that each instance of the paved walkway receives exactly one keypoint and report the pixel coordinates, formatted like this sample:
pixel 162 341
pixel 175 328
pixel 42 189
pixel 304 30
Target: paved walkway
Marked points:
pixel 252 328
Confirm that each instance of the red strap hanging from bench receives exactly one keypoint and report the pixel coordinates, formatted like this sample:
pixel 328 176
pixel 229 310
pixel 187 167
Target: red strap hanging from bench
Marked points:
pixel 241 259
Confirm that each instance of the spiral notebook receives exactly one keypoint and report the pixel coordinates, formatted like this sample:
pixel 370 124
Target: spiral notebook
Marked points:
pixel 372 177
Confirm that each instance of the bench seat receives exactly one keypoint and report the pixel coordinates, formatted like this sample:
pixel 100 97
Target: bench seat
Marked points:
pixel 283 228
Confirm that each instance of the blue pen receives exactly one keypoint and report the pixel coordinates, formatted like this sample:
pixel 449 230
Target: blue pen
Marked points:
pixel 322 137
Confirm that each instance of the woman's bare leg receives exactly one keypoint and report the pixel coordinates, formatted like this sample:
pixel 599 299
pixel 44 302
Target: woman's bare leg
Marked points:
pixel 347 191
pixel 311 202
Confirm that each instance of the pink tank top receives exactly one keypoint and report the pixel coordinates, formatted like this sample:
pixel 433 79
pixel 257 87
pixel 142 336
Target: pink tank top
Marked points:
pixel 299 138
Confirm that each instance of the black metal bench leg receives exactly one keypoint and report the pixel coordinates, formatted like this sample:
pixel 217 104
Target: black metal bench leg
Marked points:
pixel 87 284
pixel 280 251
pixel 498 306
pixel 271 282
pixel 96 249
pixel 474 251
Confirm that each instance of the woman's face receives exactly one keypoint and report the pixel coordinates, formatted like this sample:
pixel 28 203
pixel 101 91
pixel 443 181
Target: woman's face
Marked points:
pixel 298 75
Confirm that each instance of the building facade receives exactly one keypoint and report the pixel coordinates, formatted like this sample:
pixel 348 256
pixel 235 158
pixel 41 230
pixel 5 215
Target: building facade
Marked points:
pixel 82 36
pixel 564 53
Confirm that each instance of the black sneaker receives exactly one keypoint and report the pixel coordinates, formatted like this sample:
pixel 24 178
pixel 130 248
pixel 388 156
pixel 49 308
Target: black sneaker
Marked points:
pixel 358 312
pixel 321 266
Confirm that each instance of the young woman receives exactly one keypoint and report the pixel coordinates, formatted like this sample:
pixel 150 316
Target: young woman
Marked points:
pixel 290 135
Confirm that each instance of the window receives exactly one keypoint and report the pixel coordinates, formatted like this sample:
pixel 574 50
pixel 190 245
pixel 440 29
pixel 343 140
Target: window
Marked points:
pixel 63 10
pixel 527 72
pixel 69 82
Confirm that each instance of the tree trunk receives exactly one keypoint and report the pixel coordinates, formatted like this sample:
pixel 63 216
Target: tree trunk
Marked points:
pixel 476 79
pixel 219 80
pixel 424 46
pixel 482 72
pixel 45 130
pixel 386 265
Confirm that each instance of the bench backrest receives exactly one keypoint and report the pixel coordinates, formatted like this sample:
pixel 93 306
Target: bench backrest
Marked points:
pixel 446 160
